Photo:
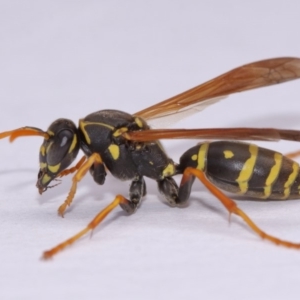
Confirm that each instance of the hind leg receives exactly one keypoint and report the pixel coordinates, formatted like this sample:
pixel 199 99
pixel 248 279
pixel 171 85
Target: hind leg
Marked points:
pixel 293 155
pixel 189 173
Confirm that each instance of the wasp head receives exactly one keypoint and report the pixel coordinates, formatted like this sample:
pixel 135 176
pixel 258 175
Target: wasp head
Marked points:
pixel 57 152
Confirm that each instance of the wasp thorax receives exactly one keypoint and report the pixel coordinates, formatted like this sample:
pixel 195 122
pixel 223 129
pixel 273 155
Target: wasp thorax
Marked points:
pixel 57 152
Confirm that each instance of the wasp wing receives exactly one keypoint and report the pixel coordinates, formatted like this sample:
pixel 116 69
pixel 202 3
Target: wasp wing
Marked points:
pixel 250 76
pixel 166 121
pixel 258 134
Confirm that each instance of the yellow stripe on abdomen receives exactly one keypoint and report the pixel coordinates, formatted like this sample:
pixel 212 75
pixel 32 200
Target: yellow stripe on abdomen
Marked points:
pixel 291 180
pixel 202 154
pixel 273 175
pixel 247 170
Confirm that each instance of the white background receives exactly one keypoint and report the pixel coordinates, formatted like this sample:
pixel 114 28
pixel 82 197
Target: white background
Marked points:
pixel 71 58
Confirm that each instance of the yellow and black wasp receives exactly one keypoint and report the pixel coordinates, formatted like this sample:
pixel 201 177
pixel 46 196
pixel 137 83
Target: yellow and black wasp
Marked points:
pixel 124 145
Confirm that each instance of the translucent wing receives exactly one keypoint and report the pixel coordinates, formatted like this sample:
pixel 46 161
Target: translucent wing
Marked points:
pixel 250 76
pixel 166 121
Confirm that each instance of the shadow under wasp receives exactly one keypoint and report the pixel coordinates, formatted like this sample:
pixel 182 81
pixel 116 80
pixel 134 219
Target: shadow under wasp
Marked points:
pixel 124 145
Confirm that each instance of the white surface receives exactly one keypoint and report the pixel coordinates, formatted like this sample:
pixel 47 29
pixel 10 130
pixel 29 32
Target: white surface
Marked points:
pixel 70 58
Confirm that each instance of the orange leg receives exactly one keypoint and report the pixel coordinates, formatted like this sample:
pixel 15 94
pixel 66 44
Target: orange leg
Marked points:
pixel 84 167
pixel 232 207
pixel 91 226
pixel 73 169
pixel 293 155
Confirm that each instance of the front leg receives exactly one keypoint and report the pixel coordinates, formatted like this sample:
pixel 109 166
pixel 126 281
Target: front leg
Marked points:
pixel 136 192
pixel 94 160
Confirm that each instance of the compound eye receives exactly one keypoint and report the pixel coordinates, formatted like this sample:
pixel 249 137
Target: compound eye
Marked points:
pixel 65 136
pixel 60 146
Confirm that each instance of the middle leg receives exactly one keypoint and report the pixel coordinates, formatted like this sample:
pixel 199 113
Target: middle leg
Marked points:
pixel 136 192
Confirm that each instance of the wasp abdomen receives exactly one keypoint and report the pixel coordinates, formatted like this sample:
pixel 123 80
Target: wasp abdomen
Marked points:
pixel 245 169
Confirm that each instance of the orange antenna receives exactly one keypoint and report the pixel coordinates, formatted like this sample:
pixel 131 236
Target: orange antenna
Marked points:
pixel 24 131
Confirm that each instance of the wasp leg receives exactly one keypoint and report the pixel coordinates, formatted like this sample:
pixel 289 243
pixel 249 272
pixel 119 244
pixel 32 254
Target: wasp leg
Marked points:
pixel 98 172
pixel 169 189
pixel 73 169
pixel 93 159
pixel 185 189
pixel 136 192
pixel 91 226
pixel 293 155
pixel 232 207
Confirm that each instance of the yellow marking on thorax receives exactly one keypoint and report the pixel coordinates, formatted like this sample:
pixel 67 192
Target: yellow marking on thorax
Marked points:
pixel 114 151
pixel 120 131
pixel 54 169
pixel 202 154
pixel 273 175
pixel 74 143
pixel 151 162
pixel 43 150
pixel 194 157
pixel 228 154
pixel 169 170
pixel 83 124
pixel 247 169
pixel 86 136
pixel 291 179
pixel 138 122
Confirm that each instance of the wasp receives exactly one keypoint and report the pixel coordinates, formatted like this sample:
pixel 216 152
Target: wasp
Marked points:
pixel 124 145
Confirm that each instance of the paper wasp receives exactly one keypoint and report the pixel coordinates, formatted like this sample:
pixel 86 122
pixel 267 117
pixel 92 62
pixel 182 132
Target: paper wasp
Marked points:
pixel 124 145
